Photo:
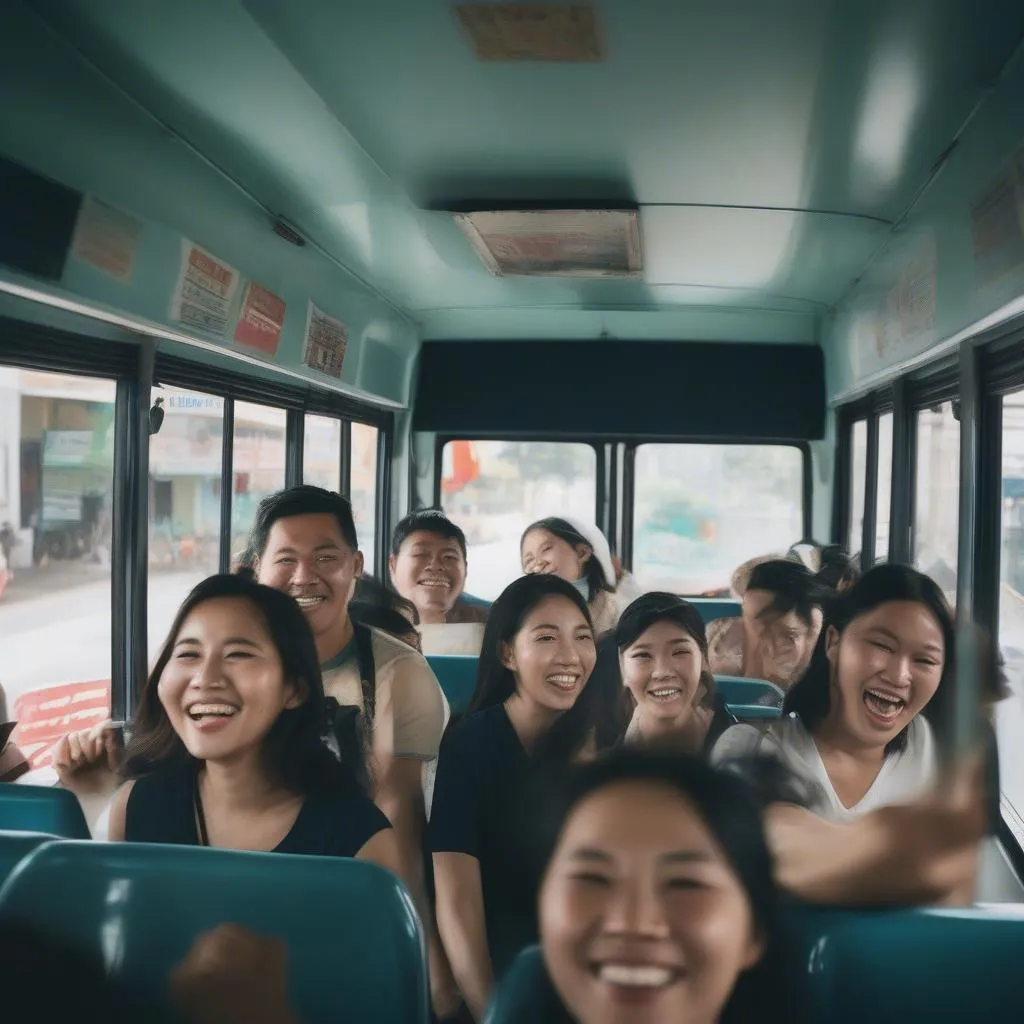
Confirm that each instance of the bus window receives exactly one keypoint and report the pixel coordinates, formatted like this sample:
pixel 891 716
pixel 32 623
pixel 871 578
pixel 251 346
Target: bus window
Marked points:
pixel 321 452
pixel 883 491
pixel 259 465
pixel 703 509
pixel 936 507
pixel 1010 712
pixel 858 484
pixel 185 459
pixel 56 518
pixel 364 489
pixel 495 489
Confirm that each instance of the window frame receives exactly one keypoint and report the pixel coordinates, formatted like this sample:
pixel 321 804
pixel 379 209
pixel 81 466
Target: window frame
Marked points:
pixel 867 409
pixel 136 368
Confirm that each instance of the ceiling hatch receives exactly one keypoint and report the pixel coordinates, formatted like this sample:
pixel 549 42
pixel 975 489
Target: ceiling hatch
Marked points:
pixel 556 243
pixel 549 32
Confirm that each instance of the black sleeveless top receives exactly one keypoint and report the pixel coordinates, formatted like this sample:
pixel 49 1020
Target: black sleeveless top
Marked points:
pixel 161 809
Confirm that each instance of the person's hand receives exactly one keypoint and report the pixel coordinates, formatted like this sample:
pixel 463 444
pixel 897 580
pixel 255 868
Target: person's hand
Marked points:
pixel 234 976
pixel 88 761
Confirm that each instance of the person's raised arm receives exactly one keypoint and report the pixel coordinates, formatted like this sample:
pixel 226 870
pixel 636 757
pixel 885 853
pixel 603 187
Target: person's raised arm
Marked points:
pixel 902 855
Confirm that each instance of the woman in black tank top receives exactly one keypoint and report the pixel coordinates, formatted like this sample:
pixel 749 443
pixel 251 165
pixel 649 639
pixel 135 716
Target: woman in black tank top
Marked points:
pixel 228 744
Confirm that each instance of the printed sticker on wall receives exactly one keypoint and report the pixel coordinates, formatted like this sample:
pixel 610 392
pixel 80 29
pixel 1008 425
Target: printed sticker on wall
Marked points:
pixel 326 341
pixel 107 238
pixel 261 319
pixel 205 290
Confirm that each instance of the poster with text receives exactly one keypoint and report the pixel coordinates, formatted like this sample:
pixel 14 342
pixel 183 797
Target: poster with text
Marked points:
pixel 107 238
pixel 261 319
pixel 326 341
pixel 206 288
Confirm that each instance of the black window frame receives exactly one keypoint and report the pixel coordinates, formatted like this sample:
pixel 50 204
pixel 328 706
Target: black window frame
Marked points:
pixel 135 367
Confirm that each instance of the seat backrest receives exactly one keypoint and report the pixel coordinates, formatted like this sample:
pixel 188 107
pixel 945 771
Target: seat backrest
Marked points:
pixel 890 967
pixel 737 690
pixel 522 993
pixel 712 608
pixel 355 945
pixel 15 846
pixel 42 809
pixel 457 675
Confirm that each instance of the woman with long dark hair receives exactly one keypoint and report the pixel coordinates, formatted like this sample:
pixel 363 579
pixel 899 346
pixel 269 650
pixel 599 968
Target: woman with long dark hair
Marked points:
pixel 531 716
pixel 659 903
pixel 862 722
pixel 227 748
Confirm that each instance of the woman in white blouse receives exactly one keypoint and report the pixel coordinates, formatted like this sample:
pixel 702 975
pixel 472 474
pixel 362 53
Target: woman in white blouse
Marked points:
pixel 853 725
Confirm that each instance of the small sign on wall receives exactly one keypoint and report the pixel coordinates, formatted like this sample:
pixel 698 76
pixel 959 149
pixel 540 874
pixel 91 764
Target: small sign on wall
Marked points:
pixel 107 238
pixel 261 319
pixel 326 342
pixel 205 290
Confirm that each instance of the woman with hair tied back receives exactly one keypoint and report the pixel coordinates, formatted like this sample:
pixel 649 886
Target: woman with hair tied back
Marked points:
pixel 664 666
pixel 578 552
pixel 227 748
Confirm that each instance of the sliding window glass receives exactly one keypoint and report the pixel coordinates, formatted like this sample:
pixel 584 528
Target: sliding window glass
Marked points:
pixel 56 519
pixel 858 484
pixel 185 459
pixel 937 495
pixel 364 489
pixel 883 488
pixel 259 453
pixel 321 452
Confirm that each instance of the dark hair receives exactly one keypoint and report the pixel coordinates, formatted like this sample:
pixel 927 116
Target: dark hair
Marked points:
pixel 660 606
pixel 495 683
pixel 732 811
pixel 370 592
pixel 304 500
pixel 793 586
pixel 294 751
pixel 593 572
pixel 390 620
pixel 810 697
pixel 429 520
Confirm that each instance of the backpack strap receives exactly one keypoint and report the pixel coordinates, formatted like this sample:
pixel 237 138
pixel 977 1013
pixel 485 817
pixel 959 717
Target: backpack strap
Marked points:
pixel 367 669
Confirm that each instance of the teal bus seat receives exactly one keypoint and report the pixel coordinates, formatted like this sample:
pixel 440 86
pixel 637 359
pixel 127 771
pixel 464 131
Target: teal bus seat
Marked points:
pixel 712 608
pixel 477 602
pixel 355 946
pixel 457 675
pixel 753 712
pixel 523 993
pixel 886 967
pixel 15 846
pixel 890 967
pixel 42 809
pixel 737 690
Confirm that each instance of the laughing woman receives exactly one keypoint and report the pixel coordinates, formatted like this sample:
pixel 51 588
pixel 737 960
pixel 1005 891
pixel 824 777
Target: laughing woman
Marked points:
pixel 861 723
pixel 530 717
pixel 227 747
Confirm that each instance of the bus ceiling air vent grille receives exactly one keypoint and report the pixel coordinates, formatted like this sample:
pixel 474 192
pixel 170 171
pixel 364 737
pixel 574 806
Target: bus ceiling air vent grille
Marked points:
pixel 556 243
pixel 525 31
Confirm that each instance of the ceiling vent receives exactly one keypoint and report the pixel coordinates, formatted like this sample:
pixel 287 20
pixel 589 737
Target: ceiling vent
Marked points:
pixel 543 32
pixel 556 243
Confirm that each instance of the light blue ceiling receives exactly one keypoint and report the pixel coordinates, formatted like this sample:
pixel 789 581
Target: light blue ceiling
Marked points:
pixel 770 146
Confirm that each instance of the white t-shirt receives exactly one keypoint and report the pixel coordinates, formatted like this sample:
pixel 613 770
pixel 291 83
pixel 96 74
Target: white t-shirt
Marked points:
pixel 904 775
pixel 452 638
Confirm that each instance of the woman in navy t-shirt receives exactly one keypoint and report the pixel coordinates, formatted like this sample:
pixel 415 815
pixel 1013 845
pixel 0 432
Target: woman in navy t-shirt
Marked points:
pixel 227 747
pixel 530 717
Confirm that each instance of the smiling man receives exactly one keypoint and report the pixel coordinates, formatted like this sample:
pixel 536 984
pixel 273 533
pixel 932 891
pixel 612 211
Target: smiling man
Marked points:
pixel 304 543
pixel 428 567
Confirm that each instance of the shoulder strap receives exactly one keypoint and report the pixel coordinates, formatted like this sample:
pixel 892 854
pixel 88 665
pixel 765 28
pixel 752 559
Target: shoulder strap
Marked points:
pixel 367 669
